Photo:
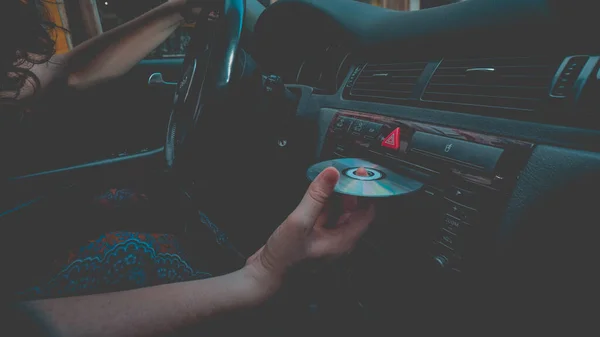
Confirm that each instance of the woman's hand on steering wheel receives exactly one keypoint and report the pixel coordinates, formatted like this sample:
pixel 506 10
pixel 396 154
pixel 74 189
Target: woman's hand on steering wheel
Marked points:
pixel 307 235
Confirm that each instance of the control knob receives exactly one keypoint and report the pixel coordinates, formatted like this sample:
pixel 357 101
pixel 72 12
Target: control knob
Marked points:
pixel 440 261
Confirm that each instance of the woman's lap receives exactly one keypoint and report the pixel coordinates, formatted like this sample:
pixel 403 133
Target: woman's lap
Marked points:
pixel 122 260
pixel 118 261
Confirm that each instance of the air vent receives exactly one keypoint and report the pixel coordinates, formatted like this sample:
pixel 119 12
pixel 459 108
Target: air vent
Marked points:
pixel 518 83
pixel 386 81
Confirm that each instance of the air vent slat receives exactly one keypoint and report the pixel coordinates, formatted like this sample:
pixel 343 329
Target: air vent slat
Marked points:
pixel 382 87
pixel 490 90
pixel 519 83
pixel 484 101
pixel 505 81
pixel 504 61
pixel 392 78
pixel 383 94
pixel 526 67
pixel 402 65
pixel 522 72
pixel 400 72
pixel 387 81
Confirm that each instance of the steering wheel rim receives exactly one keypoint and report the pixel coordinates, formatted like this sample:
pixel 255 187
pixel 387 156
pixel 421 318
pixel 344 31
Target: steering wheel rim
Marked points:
pixel 207 73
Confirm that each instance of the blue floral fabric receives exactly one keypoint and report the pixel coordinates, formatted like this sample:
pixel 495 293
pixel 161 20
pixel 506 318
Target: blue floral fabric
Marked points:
pixel 119 261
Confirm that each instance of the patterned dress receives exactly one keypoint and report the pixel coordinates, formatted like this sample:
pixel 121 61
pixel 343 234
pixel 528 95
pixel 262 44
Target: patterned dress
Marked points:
pixel 118 261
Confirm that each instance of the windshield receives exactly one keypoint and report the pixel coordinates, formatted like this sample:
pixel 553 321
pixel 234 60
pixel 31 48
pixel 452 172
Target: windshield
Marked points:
pixel 401 5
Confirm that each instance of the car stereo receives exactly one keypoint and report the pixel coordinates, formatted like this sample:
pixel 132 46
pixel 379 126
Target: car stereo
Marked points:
pixel 468 179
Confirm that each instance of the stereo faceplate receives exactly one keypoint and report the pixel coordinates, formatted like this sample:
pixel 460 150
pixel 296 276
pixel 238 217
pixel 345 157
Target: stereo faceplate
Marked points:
pixel 469 177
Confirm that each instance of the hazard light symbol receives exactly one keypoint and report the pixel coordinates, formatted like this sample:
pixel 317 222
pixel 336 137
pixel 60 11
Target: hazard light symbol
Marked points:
pixel 392 141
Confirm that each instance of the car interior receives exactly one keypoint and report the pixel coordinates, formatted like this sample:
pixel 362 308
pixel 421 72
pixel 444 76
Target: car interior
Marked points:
pixel 489 104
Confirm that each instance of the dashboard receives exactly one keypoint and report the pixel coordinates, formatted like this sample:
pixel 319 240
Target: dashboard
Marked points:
pixel 516 39
pixel 510 81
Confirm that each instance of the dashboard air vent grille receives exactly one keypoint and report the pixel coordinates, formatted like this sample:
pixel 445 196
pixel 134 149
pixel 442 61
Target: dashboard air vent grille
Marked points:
pixel 387 81
pixel 518 83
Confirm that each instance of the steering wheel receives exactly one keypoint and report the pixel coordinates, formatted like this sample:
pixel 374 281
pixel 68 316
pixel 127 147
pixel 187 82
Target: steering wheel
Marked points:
pixel 220 103
pixel 207 74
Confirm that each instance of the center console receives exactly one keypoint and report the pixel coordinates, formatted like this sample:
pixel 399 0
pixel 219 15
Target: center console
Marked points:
pixel 450 225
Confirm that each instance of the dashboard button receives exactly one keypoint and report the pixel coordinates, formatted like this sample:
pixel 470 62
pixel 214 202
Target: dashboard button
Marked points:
pixel 392 141
pixel 465 214
pixel 451 242
pixel 462 196
pixel 453 224
pixel 474 155
pixel 372 130
pixel 448 239
pixel 359 127
pixel 342 123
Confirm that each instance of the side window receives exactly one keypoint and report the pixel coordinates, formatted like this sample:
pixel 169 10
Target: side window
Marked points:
pixel 56 13
pixel 116 12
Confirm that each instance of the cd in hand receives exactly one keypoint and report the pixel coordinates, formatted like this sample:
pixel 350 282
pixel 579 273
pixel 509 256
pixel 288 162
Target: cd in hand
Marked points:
pixel 364 179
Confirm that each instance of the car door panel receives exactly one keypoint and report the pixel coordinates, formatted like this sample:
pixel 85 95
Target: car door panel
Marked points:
pixel 132 114
pixel 120 117
pixel 119 122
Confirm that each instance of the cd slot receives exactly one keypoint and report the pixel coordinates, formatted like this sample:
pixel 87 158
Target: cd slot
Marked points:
pixel 410 169
pixel 447 160
pixel 378 155
pixel 423 169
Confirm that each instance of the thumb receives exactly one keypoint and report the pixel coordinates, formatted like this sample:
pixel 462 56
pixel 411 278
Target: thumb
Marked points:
pixel 317 195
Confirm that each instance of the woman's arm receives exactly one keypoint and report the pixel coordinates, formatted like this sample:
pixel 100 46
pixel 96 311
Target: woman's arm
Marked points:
pixel 153 311
pixel 113 53
pixel 307 234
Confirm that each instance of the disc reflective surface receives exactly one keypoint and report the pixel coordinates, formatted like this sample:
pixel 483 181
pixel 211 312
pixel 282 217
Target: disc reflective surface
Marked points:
pixel 378 182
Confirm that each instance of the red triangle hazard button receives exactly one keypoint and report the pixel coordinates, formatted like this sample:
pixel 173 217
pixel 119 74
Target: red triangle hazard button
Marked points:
pixel 392 141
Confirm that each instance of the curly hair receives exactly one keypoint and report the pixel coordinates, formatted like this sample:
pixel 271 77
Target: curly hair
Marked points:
pixel 26 38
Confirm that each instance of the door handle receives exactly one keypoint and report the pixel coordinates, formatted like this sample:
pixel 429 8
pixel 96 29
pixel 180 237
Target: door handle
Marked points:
pixel 156 79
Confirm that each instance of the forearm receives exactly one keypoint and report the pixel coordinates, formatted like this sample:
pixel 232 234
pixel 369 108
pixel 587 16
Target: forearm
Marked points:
pixel 151 311
pixel 115 52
